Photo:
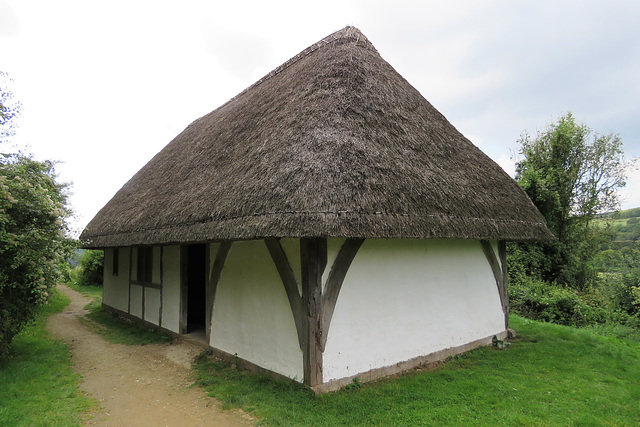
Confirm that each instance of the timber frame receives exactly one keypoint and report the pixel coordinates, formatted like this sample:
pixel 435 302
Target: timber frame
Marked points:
pixel 313 307
pixel 145 284
pixel 313 302
pixel 212 283
pixel 499 269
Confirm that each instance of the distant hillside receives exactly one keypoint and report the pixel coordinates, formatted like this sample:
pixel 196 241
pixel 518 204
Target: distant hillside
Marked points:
pixel 630 213
pixel 625 225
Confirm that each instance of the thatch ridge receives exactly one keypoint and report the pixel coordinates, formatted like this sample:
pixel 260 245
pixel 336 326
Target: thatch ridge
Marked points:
pixel 332 143
pixel 343 33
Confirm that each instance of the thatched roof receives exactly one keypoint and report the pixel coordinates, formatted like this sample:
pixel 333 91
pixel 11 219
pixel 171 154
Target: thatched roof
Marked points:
pixel 333 143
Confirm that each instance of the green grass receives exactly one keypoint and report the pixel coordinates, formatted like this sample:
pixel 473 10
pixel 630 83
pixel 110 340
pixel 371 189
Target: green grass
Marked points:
pixel 112 328
pixel 550 375
pixel 37 384
pixel 93 292
pixel 122 331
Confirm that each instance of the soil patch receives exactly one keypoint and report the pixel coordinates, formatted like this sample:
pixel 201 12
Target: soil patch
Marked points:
pixel 137 385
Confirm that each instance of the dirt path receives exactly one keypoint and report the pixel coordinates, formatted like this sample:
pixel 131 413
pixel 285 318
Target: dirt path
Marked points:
pixel 137 385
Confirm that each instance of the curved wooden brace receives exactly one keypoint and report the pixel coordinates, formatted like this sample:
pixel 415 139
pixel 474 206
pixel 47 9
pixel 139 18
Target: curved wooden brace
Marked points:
pixel 212 286
pixel 290 283
pixel 332 288
pixel 499 270
pixel 313 309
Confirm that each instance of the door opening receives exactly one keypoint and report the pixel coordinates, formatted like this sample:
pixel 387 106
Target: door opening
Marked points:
pixel 196 287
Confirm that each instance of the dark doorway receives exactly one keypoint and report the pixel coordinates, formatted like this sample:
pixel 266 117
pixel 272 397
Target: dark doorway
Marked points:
pixel 196 287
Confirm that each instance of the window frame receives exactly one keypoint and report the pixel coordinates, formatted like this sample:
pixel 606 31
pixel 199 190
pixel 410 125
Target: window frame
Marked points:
pixel 144 266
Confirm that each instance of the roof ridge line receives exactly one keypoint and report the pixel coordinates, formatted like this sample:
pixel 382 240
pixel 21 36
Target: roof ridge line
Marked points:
pixel 331 38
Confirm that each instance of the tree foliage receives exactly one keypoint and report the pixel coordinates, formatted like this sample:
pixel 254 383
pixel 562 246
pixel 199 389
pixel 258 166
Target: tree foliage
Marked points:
pixel 91 268
pixel 9 108
pixel 571 174
pixel 33 243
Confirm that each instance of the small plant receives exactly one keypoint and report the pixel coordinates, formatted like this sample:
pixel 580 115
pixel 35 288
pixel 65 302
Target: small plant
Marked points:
pixel 354 385
pixel 500 344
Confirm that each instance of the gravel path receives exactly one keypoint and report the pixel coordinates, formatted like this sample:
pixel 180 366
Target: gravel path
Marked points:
pixel 137 385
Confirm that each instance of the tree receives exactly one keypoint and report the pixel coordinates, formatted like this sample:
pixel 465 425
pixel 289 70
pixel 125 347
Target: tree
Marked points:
pixel 571 174
pixel 33 243
pixel 9 109
pixel 91 268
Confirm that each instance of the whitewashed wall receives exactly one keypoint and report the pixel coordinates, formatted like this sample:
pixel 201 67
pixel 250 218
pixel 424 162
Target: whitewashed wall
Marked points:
pixel 116 288
pixel 157 306
pixel 251 316
pixel 407 298
pixel 152 305
pixel 135 303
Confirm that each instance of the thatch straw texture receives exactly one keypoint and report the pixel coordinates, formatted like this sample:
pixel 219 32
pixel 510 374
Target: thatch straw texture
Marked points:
pixel 333 143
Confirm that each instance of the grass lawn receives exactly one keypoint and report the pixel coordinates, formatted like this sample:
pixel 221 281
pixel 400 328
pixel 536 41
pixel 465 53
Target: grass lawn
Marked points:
pixel 94 292
pixel 37 385
pixel 550 375
pixel 115 329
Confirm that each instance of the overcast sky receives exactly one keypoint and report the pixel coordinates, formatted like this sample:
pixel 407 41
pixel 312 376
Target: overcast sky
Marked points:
pixel 106 84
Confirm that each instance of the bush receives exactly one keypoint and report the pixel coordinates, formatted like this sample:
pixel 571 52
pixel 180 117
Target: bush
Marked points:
pixel 627 294
pixel 91 268
pixel 33 243
pixel 540 301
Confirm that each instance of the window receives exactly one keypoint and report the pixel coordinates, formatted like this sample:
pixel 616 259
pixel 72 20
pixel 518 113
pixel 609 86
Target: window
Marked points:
pixel 116 261
pixel 145 264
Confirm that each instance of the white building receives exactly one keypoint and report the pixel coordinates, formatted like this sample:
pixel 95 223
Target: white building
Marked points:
pixel 326 223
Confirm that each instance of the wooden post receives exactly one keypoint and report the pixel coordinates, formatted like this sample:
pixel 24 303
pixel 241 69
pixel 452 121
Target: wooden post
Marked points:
pixel 184 290
pixel 313 254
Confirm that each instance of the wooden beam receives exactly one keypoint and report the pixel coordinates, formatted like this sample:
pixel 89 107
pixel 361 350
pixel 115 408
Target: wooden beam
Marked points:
pixel 313 255
pixel 332 288
pixel 499 273
pixel 502 254
pixel 130 278
pixel 290 284
pixel 212 285
pixel 146 284
pixel 161 284
pixel 184 290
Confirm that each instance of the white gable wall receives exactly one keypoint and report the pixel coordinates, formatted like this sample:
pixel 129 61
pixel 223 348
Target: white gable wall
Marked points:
pixel 251 315
pixel 407 298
